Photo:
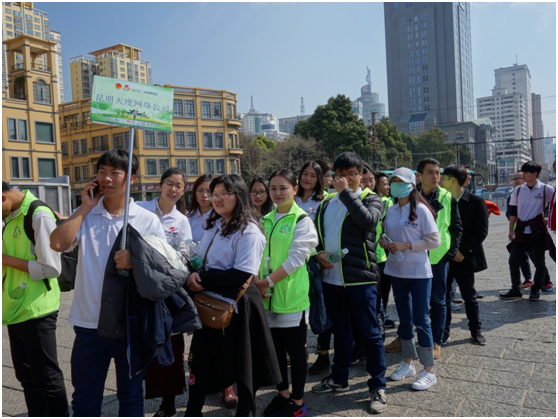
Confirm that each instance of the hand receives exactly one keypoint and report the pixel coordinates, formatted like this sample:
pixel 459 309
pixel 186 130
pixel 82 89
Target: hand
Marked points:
pixel 545 221
pixel 262 286
pixel 340 184
pixel 511 235
pixel 194 281
pixel 123 259
pixel 459 257
pixel 323 260
pixel 86 197
pixel 398 246
pixel 382 243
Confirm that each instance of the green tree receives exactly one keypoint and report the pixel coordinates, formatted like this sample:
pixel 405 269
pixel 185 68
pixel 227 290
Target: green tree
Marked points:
pixel 255 159
pixel 391 150
pixel 336 128
pixel 264 142
pixel 433 143
pixel 293 153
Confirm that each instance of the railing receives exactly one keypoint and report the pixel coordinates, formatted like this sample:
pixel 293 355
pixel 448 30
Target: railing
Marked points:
pixel 17 67
pixel 41 67
pixel 19 96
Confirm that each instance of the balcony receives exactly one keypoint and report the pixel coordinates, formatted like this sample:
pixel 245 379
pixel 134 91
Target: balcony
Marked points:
pixel 234 122
pixel 41 67
pixel 17 67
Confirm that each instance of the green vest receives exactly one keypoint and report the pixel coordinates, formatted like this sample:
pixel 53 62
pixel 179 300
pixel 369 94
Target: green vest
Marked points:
pixel 37 301
pixel 291 293
pixel 381 253
pixel 443 222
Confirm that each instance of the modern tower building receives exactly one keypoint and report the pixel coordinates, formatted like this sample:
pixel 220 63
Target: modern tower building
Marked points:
pixel 370 102
pixel 429 64
pixel 253 120
pixel 118 62
pixel 537 127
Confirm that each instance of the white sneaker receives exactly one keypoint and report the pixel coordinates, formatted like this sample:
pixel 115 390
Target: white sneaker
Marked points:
pixel 403 371
pixel 425 380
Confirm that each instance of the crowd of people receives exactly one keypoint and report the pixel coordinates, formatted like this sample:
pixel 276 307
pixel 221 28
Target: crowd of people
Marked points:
pixel 368 233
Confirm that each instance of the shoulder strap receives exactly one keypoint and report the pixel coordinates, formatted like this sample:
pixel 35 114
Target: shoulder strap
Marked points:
pixel 209 247
pixel 243 289
pixel 301 217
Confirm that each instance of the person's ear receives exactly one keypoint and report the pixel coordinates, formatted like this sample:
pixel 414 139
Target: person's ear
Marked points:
pixel 132 178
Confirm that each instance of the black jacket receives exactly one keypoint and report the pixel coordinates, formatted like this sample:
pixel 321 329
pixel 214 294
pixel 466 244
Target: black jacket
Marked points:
pixel 358 235
pixel 474 216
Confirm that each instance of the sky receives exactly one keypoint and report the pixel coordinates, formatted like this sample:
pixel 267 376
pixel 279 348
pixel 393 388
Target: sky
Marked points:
pixel 278 52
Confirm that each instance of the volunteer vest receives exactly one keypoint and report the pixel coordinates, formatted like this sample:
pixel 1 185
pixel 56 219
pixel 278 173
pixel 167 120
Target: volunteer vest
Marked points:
pixel 291 293
pixel 381 255
pixel 443 222
pixel 37 300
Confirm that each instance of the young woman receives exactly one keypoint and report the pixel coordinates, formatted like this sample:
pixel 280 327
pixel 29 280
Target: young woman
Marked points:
pixel 310 191
pixel 259 193
pixel 201 206
pixel 367 179
pixel 169 207
pixel 284 286
pixel 410 224
pixel 244 352
pixel 326 171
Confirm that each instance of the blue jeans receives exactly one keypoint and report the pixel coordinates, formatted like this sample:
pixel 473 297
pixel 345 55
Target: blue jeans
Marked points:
pixel 438 300
pixel 412 298
pixel 361 299
pixel 90 361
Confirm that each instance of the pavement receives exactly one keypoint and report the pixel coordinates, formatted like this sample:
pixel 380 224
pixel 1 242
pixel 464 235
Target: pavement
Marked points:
pixel 513 375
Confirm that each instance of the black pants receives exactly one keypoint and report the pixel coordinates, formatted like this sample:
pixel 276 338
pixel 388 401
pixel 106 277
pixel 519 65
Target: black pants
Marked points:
pixel 324 340
pixel 33 348
pixel 198 392
pixel 525 267
pixel 385 285
pixel 293 341
pixel 466 283
pixel 537 256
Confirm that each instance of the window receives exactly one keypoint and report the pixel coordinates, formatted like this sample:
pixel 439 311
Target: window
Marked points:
pixel 149 138
pixel 75 147
pixel 84 146
pixel 118 140
pixel 229 111
pixel 219 143
pixel 100 143
pixel 77 173
pixel 177 109
pixel 21 168
pixel 206 109
pixel 191 140
pixel 233 141
pixel 66 171
pixel 8 11
pixel 162 140
pixel 41 92
pixel 47 168
pixel 85 172
pixel 235 166
pixel 181 164
pixel 179 140
pixel 209 166
pixel 193 169
pixel 207 140
pixel 164 164
pixel 44 132
pixel 220 163
pixel 217 112
pixel 65 149
pixel 190 110
pixel 151 167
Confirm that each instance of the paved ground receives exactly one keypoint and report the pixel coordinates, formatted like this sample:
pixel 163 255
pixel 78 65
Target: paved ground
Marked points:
pixel 513 375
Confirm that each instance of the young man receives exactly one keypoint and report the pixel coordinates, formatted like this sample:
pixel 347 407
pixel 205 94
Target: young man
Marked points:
pixel 527 206
pixel 31 318
pixel 449 226
pixel 348 219
pixel 95 226
pixel 470 256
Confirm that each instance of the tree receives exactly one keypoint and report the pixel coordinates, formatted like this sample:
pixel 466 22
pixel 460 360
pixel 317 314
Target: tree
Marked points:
pixel 254 160
pixel 336 128
pixel 264 142
pixel 392 150
pixel 434 144
pixel 293 153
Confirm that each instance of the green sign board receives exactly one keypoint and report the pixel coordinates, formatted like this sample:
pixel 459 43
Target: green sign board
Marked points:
pixel 128 104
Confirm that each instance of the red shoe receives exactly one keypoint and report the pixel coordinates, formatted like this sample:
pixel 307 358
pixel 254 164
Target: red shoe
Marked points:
pixel 527 284
pixel 547 287
pixel 229 398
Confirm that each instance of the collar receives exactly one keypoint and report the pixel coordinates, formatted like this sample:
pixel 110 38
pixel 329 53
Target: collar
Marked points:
pixel 461 196
pixel 357 192
pixel 159 212
pixel 538 185
pixel 433 196
pixel 100 209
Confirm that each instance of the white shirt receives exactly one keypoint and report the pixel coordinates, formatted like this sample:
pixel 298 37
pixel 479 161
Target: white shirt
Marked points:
pixel 96 237
pixel 530 202
pixel 310 206
pixel 176 225
pixel 333 221
pixel 399 229
pixel 241 250
pixel 197 221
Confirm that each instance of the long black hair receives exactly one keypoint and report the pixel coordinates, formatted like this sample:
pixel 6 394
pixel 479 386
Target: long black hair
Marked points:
pixel 244 211
pixel 194 205
pixel 415 199
pixel 181 203
pixel 267 206
pixel 318 194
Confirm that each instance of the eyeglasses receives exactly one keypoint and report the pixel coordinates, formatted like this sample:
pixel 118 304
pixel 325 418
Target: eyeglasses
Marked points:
pixel 447 178
pixel 221 196
pixel 258 193
pixel 517 178
pixel 346 175
pixel 171 185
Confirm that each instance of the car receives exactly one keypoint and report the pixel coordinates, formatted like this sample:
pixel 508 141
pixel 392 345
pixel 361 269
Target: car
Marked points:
pixel 483 193
pixel 502 191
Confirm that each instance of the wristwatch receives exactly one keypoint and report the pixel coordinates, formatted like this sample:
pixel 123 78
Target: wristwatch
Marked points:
pixel 270 282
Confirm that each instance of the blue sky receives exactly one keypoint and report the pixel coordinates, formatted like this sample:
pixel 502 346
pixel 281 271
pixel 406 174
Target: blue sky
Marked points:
pixel 280 51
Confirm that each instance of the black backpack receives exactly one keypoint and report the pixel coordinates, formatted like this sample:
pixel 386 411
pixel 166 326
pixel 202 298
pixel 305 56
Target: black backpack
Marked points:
pixel 67 278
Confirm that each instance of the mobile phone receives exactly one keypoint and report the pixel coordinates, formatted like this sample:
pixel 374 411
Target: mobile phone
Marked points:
pixel 93 192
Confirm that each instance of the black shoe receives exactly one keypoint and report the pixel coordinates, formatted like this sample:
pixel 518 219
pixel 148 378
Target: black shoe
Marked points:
pixel 358 356
pixel 388 323
pixel 293 410
pixel 478 338
pixel 480 296
pixel 445 340
pixel 511 295
pixel 327 385
pixel 276 406
pixel 320 365
pixel 534 295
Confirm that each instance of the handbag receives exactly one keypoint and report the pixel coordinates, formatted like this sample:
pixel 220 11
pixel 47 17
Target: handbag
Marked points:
pixel 214 312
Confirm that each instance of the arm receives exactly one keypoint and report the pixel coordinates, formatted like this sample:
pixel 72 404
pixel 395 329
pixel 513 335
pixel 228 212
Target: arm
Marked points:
pixel 455 229
pixel 513 212
pixel 480 228
pixel 48 263
pixel 429 241
pixel 226 283
pixel 365 216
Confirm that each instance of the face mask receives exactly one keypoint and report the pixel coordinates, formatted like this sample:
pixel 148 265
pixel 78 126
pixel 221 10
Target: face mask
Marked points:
pixel 400 189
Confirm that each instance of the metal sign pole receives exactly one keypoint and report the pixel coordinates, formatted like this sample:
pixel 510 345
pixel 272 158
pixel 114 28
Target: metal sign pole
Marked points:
pixel 128 181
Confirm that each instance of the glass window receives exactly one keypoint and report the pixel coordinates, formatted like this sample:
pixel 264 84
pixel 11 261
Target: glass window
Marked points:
pixel 177 109
pixel 206 109
pixel 162 140
pixel 179 140
pixel 44 132
pixel 8 11
pixel 84 146
pixel 149 138
pixel 127 140
pixel 75 147
pixel 220 163
pixel 15 168
pixel 207 139
pixel 25 168
pixel 65 149
pixel 12 129
pixel 118 140
pixel 47 168
pixel 41 92
pixel 235 166
pixel 193 169
pixel 104 143
pixel 181 164
pixel 164 164
pixel 217 114
pixel 77 173
pixel 85 172
pixel 233 141
pixel 151 167
pixel 219 143
pixel 191 141
pixel 229 110
pixel 209 166
pixel 190 110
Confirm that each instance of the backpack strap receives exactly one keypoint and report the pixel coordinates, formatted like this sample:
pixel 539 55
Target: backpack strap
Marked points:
pixel 301 217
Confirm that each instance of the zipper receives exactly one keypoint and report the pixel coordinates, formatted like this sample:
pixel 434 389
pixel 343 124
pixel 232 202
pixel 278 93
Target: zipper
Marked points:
pixel 366 254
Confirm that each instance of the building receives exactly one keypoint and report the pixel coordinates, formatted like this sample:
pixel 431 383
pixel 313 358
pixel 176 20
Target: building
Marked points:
pixel 538 153
pixel 253 121
pixel 370 103
pixel 287 125
pixel 31 129
pixel 21 18
pixel 118 62
pixel 357 109
pixel 204 141
pixel 549 151
pixel 510 158
pixel 55 36
pixel 429 64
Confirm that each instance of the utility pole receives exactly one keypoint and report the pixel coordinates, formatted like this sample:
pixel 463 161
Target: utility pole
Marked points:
pixel 373 140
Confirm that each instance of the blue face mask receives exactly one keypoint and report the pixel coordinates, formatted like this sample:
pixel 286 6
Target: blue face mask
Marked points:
pixel 400 189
